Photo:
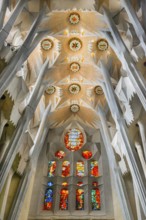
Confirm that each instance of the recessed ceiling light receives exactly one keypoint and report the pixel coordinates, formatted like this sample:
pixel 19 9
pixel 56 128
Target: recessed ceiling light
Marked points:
pixel 75 108
pixel 74 18
pixel 74 89
pixel 51 90
pixel 74 67
pixel 102 45
pixel 75 44
pixel 47 44
pixel 98 90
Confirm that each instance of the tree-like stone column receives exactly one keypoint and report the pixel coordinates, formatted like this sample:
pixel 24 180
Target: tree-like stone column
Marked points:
pixel 141 157
pixel 141 34
pixel 3 7
pixel 143 6
pixel 126 59
pixel 118 179
pixel 8 183
pixel 143 137
pixel 31 166
pixel 140 215
pixel 129 148
pixel 16 62
pixel 27 115
pixel 9 24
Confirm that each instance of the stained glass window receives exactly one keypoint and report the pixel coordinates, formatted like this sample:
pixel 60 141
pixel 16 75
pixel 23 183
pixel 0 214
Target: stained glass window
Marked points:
pixel 79 199
pixel 48 202
pixel 65 169
pixel 95 199
pixel 65 184
pixel 80 183
pixel 60 154
pixel 94 169
pixel 80 168
pixel 95 184
pixel 87 154
pixel 50 184
pixel 64 199
pixel 51 168
pixel 74 139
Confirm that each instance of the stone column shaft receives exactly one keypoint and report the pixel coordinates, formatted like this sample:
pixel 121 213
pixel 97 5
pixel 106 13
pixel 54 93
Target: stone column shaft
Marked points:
pixel 19 197
pixel 41 134
pixel 8 26
pixel 140 215
pixel 121 50
pixel 140 154
pixel 31 167
pixel 15 144
pixel 133 161
pixel 12 149
pixel 3 8
pixel 6 193
pixel 118 179
pixel 143 137
pixel 143 6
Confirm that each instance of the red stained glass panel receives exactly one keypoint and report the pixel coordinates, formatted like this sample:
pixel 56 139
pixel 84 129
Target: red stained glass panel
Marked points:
pixel 94 169
pixel 87 154
pixel 95 184
pixel 60 154
pixel 64 184
pixel 65 169
pixel 80 184
pixel 64 199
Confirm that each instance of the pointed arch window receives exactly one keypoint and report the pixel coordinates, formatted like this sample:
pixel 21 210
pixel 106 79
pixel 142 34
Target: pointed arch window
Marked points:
pixel 51 168
pixel 80 168
pixel 65 169
pixel 79 199
pixel 48 201
pixel 94 169
pixel 64 199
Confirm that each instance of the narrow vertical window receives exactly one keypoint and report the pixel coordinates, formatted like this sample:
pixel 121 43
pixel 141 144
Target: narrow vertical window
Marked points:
pixel 79 199
pixel 80 168
pixel 65 169
pixel 64 199
pixel 94 169
pixel 95 199
pixel 51 168
pixel 48 202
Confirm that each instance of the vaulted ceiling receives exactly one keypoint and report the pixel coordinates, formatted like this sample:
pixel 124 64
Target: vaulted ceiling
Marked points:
pixel 77 92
